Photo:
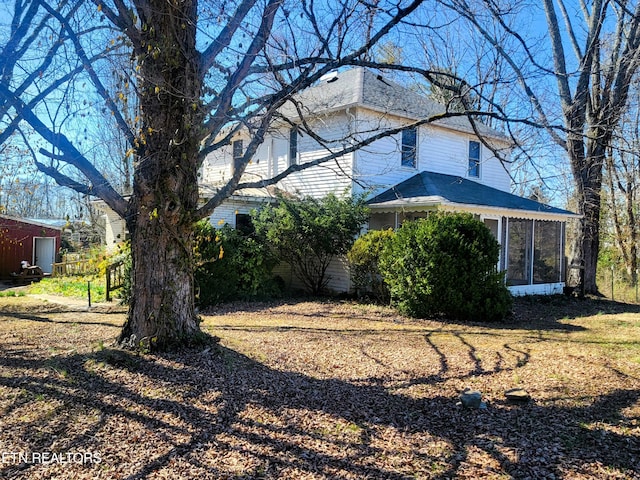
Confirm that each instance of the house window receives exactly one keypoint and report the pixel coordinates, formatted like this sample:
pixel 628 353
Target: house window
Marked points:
pixel 409 142
pixel 519 254
pixel 244 224
pixel 237 149
pixel 293 146
pixel 534 252
pixel 237 154
pixel 474 159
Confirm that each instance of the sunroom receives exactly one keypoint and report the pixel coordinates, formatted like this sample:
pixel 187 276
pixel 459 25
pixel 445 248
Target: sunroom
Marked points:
pixel 531 234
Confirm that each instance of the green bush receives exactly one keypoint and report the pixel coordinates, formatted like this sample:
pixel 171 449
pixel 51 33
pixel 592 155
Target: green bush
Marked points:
pixel 446 265
pixel 231 266
pixel 309 233
pixel 364 257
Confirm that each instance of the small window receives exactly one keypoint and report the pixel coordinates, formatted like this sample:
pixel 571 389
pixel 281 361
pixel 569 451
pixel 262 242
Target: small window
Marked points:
pixel 474 159
pixel 238 152
pixel 237 149
pixel 293 146
pixel 409 141
pixel 244 224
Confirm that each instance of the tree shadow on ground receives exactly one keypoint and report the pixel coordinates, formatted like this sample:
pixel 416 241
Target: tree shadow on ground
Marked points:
pixel 46 319
pixel 559 307
pixel 216 413
pixel 529 313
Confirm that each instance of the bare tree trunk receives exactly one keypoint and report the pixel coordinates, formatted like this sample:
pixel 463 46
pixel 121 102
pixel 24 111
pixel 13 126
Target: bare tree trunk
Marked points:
pixel 632 265
pixel 618 225
pixel 161 312
pixel 161 213
pixel 588 175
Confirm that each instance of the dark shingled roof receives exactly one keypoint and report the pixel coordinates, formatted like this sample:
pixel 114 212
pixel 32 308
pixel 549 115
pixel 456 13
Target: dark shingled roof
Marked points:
pixel 430 188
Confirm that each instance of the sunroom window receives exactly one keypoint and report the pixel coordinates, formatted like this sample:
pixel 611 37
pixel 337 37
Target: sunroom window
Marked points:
pixel 534 252
pixel 546 254
pixel 519 254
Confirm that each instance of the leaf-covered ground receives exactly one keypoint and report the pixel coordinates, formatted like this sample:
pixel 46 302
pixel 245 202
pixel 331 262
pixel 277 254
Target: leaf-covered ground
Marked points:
pixel 322 390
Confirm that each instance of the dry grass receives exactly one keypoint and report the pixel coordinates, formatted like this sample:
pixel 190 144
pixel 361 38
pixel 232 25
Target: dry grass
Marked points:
pixel 324 390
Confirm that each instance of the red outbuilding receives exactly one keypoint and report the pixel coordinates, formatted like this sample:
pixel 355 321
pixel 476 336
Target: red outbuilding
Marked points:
pixel 30 240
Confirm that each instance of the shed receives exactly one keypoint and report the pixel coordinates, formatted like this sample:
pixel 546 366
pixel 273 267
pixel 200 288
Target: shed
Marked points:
pixel 30 240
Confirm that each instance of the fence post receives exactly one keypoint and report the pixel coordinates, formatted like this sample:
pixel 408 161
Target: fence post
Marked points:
pixel 108 283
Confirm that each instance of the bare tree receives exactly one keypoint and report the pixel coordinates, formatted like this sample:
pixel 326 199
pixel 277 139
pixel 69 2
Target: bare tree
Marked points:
pixel 200 72
pixel 622 175
pixel 594 54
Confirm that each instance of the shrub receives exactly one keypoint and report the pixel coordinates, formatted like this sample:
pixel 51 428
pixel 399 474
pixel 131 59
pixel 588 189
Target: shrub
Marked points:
pixel 364 257
pixel 309 233
pixel 446 265
pixel 231 266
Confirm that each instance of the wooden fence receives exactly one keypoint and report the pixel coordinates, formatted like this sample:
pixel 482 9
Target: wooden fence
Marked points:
pixel 115 278
pixel 72 267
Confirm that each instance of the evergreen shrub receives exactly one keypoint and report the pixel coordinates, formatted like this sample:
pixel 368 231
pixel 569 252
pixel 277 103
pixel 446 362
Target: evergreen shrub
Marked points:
pixel 364 257
pixel 446 265
pixel 231 266
pixel 308 233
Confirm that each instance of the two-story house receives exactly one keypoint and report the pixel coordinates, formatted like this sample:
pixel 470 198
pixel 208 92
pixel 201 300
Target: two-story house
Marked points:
pixel 449 164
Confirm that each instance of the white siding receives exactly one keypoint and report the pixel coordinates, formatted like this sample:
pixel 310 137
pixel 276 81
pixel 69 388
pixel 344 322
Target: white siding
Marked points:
pixel 226 213
pixel 115 230
pixel 338 273
pixel 272 157
pixel 333 176
pixel 440 150
pixel 375 167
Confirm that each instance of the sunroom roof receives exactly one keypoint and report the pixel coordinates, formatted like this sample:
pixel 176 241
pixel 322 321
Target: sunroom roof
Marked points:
pixel 432 189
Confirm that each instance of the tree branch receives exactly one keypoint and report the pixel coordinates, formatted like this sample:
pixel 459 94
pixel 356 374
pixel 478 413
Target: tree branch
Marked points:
pixel 99 185
pixel 88 66
pixel 224 38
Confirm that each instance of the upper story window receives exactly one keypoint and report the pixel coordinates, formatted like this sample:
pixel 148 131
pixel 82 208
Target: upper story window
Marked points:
pixel 238 152
pixel 237 149
pixel 293 146
pixel 409 147
pixel 474 158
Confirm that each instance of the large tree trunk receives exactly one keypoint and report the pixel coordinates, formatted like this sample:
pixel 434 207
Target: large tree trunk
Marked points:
pixel 161 311
pixel 587 171
pixel 587 242
pixel 165 192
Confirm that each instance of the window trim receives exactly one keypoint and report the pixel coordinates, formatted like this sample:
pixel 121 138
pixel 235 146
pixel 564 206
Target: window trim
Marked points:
pixel 237 153
pixel 293 146
pixel 409 148
pixel 473 164
pixel 237 147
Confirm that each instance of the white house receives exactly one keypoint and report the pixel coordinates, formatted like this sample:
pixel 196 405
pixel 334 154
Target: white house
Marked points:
pixel 442 165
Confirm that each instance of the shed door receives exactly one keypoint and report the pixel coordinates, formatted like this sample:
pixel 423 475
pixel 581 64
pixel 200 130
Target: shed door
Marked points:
pixel 44 253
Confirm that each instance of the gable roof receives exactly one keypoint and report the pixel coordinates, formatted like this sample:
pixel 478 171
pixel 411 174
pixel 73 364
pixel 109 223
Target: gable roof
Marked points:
pixel 427 189
pixel 362 87
pixel 38 222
